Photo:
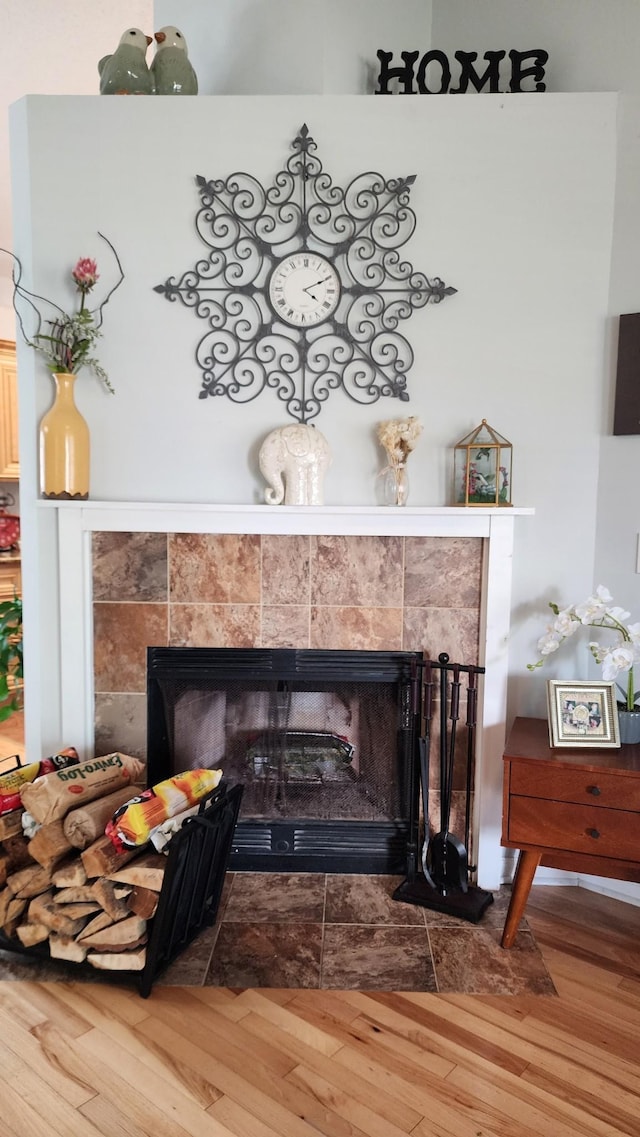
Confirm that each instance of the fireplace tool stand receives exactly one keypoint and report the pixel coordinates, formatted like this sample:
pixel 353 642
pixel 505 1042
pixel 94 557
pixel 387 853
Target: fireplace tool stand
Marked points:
pixel 444 885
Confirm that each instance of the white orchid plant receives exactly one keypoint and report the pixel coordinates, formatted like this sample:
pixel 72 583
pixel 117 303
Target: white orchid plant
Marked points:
pixel 617 658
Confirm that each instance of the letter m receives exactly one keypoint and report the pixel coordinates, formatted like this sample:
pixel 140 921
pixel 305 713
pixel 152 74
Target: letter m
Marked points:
pixel 468 73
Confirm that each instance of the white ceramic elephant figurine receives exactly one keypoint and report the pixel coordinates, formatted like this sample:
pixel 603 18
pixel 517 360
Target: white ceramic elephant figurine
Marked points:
pixel 294 459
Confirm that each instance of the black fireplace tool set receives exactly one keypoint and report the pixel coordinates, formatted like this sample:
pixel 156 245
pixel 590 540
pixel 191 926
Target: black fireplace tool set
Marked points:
pixel 444 885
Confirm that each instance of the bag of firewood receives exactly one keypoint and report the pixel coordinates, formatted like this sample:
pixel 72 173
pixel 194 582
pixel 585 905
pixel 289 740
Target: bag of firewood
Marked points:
pixel 11 782
pixel 51 797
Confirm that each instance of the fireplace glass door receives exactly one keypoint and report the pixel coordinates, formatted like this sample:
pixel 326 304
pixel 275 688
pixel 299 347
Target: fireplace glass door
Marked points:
pixel 323 742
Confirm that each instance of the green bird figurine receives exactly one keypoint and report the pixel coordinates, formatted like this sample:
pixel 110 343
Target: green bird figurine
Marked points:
pixel 172 72
pixel 126 72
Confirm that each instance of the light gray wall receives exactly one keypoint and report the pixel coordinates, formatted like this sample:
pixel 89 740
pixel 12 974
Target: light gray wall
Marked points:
pixel 52 49
pixel 593 46
pixel 513 347
pixel 618 519
pixel 514 199
pixel 278 47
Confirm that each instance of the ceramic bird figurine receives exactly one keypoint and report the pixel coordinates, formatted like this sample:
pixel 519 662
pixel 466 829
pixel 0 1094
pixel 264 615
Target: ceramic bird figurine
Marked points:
pixel 171 69
pixel 126 72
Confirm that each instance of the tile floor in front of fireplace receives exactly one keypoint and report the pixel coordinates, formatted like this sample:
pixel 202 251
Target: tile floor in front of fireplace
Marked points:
pixel 313 930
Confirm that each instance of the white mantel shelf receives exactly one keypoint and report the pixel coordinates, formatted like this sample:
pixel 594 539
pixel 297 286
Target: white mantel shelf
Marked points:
pixel 173 517
pixel 70 660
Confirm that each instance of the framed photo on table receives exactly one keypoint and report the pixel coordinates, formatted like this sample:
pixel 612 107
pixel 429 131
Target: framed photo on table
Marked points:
pixel 582 714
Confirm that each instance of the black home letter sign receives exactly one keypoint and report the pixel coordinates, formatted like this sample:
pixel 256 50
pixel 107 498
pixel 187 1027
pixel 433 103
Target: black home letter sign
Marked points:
pixel 432 76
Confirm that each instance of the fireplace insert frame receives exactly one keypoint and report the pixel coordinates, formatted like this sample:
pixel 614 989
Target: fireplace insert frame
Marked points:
pixel 295 844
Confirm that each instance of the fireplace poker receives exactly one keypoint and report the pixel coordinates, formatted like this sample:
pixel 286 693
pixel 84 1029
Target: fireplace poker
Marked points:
pixel 472 700
pixel 446 855
pixel 424 745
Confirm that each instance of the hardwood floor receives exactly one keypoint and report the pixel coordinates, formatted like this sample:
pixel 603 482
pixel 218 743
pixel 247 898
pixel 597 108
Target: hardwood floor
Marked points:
pixel 85 1059
pixel 79 1060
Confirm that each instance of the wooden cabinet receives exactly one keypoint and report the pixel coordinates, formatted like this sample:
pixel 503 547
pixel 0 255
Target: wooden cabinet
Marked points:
pixel 10 579
pixel 9 575
pixel 576 809
pixel 9 462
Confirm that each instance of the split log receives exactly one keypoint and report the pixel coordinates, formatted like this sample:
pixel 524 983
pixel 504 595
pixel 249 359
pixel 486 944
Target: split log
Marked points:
pixel 9 905
pixel 78 911
pixel 143 902
pixel 118 961
pixel 32 934
pixel 17 850
pixel 4 862
pixel 64 947
pixel 84 825
pixel 102 920
pixel 13 917
pixel 102 859
pixel 147 871
pixel 69 873
pixel 11 824
pixel 29 882
pixel 126 934
pixel 57 917
pixel 49 845
pixel 104 891
pixel 78 894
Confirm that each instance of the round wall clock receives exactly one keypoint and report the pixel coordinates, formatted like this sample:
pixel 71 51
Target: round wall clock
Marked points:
pixel 304 289
pixel 302 286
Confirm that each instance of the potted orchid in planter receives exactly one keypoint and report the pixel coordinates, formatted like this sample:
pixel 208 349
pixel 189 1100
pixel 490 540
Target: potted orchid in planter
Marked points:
pixel 616 657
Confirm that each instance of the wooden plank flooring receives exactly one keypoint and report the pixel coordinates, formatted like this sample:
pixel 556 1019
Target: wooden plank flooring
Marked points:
pixel 84 1060
pixel 96 1060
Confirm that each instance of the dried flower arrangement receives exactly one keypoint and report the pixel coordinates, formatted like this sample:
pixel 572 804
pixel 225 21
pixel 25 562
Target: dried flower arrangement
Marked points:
pixel 398 438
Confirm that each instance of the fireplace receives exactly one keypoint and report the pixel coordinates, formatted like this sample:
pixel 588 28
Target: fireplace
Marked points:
pixel 399 579
pixel 323 742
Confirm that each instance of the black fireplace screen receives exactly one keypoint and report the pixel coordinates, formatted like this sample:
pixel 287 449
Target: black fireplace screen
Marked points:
pixel 323 742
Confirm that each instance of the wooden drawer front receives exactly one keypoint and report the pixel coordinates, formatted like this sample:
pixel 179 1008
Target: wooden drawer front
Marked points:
pixel 560 825
pixel 580 786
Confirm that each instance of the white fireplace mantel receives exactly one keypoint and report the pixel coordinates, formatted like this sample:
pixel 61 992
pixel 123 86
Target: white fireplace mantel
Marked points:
pixel 69 660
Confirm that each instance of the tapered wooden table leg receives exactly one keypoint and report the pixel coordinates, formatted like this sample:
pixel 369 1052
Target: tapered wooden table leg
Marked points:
pixel 522 881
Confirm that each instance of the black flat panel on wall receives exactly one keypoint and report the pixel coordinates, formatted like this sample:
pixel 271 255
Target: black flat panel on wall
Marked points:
pixel 626 418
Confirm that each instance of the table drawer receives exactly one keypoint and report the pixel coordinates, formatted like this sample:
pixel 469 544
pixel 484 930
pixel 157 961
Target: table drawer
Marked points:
pixel 600 789
pixel 575 828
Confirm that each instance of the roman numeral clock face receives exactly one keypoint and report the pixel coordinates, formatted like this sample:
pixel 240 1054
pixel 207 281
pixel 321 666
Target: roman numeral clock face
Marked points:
pixel 304 289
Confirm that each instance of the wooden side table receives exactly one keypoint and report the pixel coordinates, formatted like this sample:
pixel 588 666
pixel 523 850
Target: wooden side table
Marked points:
pixel 576 809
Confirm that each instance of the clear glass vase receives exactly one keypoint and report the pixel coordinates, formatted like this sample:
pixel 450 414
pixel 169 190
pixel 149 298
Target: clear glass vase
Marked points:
pixel 395 485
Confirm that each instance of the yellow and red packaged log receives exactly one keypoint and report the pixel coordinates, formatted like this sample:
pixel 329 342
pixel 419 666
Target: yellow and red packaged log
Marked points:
pixel 132 823
pixel 11 783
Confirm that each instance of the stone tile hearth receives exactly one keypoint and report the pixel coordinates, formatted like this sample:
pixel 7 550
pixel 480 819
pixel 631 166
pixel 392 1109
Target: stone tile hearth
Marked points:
pixel 346 932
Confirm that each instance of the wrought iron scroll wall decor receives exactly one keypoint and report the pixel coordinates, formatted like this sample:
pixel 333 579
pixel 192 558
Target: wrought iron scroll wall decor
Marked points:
pixel 303 286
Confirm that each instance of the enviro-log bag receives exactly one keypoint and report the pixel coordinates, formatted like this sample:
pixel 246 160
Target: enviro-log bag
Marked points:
pixel 50 798
pixel 11 782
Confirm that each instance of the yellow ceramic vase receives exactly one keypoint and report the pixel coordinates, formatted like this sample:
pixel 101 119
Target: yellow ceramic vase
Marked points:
pixel 64 446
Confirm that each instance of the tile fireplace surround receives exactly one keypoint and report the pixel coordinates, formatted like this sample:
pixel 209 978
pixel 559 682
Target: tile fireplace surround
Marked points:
pixel 137 574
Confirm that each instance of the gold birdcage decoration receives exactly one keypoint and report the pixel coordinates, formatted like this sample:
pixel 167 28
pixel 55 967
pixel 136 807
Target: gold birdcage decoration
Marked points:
pixel 482 468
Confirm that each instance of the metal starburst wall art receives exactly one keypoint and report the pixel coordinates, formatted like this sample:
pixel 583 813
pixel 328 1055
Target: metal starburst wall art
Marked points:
pixel 303 287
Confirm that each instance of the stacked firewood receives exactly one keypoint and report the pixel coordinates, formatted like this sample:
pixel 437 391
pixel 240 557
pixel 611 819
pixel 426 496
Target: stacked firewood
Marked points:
pixel 67 885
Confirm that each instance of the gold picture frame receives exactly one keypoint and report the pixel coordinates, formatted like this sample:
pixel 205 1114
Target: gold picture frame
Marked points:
pixel 582 714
